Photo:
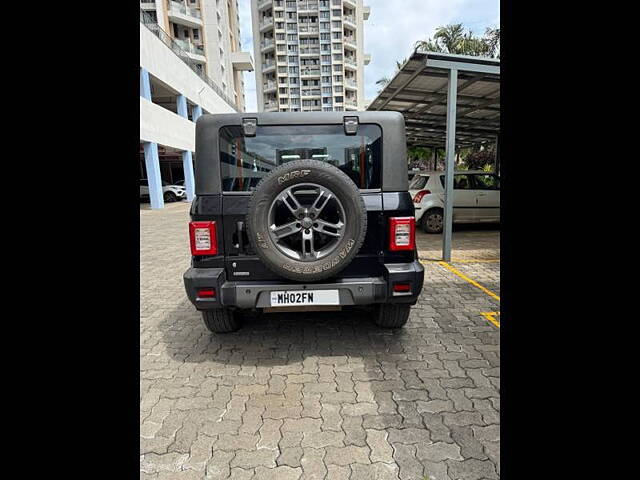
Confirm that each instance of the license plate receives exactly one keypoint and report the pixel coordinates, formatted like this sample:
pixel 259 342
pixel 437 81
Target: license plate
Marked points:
pixel 290 298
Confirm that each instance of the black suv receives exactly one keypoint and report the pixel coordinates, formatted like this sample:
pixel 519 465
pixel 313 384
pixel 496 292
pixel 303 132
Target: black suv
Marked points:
pixel 302 211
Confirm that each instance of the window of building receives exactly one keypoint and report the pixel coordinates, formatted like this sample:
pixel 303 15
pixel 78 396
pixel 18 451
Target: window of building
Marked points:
pixel 196 33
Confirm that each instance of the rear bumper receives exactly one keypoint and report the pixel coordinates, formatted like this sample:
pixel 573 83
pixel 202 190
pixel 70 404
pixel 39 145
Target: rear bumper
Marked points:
pixel 352 291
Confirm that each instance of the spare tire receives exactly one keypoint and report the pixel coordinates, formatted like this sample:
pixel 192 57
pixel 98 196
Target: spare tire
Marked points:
pixel 306 220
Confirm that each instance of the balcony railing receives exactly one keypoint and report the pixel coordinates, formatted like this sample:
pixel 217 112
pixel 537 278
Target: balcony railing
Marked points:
pixel 310 50
pixel 269 105
pixel 181 8
pixel 268 64
pixel 350 61
pixel 309 71
pixel 190 47
pixel 311 93
pixel 266 22
pixel 263 3
pixel 308 29
pixel 307 6
pixel 350 41
pixel 154 28
pixel 266 43
pixel 351 83
pixel 351 102
pixel 268 85
pixel 349 18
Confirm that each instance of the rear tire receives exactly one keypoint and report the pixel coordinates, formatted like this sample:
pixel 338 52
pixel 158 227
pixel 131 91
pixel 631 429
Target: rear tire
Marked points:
pixel 170 197
pixel 221 320
pixel 392 315
pixel 432 221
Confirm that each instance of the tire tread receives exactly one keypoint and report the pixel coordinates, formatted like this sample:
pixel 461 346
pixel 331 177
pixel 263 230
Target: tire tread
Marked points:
pixel 221 320
pixel 392 315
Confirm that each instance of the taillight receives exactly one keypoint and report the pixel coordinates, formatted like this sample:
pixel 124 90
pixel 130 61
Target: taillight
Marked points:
pixel 206 293
pixel 203 238
pixel 401 287
pixel 402 233
pixel 418 196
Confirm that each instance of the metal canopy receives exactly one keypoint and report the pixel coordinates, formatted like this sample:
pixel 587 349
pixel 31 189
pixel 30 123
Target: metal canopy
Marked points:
pixel 448 101
pixel 419 92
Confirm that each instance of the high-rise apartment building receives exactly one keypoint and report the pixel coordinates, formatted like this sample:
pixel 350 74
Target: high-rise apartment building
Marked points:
pixel 309 54
pixel 209 32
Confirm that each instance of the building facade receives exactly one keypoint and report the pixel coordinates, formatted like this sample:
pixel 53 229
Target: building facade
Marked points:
pixel 309 54
pixel 209 33
pixel 174 92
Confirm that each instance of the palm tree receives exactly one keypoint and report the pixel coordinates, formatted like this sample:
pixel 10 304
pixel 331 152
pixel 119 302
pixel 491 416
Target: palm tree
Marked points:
pixel 492 39
pixel 384 81
pixel 453 39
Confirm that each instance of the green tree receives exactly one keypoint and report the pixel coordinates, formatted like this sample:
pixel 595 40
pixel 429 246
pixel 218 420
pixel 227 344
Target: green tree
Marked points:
pixel 385 80
pixel 476 159
pixel 453 39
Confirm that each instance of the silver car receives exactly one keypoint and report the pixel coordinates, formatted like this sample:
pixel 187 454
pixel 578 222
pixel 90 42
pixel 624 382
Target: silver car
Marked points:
pixel 476 198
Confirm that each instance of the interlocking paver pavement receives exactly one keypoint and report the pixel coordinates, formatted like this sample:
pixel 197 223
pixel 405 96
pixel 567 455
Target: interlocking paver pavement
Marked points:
pixel 316 395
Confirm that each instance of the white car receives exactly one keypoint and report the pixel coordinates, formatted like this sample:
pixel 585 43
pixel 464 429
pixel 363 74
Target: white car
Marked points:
pixel 476 198
pixel 171 193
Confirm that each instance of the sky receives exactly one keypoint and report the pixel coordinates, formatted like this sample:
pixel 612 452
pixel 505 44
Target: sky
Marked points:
pixel 391 32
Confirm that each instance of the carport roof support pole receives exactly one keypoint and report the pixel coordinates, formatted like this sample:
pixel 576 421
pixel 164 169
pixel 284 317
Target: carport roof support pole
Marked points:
pixel 152 162
pixel 187 166
pixel 452 100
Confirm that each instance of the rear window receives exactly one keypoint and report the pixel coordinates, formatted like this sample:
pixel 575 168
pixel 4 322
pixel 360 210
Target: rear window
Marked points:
pixel 419 182
pixel 245 160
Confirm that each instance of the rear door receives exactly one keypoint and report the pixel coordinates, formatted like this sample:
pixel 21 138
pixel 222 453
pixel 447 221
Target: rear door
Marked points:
pixel 245 160
pixel 464 198
pixel 488 197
